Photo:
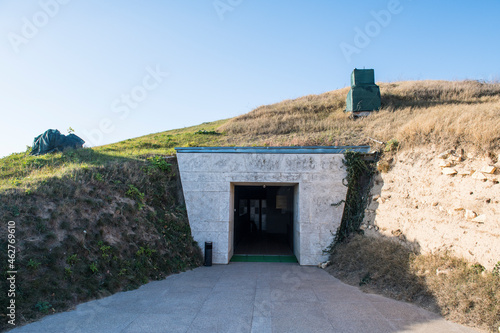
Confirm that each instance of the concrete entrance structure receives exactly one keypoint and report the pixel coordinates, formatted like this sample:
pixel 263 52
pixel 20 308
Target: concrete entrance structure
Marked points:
pixel 209 176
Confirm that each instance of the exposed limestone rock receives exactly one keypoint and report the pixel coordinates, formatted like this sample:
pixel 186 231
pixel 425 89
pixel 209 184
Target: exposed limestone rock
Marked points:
pixel 469 214
pixel 445 154
pixel 449 171
pixel 480 219
pixel 444 164
pixel 436 225
pixel 479 175
pixel 489 169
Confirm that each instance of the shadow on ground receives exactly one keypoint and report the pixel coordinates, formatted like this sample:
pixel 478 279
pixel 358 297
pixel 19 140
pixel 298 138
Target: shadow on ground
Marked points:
pixel 246 297
pixel 382 266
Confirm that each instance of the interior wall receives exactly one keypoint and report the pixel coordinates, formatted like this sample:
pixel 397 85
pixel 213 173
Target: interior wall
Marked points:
pixel 296 226
pixel 231 221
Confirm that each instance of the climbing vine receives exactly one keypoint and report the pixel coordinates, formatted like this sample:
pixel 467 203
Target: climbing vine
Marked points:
pixel 359 173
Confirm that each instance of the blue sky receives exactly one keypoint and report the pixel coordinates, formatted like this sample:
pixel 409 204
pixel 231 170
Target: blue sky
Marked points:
pixel 114 70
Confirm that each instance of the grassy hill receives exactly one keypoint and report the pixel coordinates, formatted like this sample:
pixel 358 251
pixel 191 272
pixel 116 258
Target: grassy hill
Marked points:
pixel 87 226
pixel 415 113
pixel 95 221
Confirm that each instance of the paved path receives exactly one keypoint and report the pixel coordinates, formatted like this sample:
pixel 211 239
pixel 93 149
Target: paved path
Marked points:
pixel 246 297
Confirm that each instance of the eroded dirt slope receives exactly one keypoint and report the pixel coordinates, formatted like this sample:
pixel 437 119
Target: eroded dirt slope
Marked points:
pixel 440 200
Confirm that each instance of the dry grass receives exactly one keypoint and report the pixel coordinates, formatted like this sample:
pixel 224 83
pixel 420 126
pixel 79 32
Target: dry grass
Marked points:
pixel 415 113
pixel 461 292
pixel 464 292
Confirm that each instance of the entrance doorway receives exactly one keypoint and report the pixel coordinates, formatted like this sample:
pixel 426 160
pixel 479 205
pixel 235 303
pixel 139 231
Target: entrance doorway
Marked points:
pixel 263 220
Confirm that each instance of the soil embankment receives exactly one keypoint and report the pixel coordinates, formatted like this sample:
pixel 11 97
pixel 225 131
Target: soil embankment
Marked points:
pixel 442 201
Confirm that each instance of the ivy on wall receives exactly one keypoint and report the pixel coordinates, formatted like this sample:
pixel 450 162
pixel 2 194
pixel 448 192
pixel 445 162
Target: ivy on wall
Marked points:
pixel 359 174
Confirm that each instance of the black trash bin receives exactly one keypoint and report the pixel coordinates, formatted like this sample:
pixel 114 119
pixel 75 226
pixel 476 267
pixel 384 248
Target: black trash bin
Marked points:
pixel 208 253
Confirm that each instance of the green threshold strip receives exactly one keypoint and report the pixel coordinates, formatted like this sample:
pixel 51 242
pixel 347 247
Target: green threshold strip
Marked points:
pixel 262 258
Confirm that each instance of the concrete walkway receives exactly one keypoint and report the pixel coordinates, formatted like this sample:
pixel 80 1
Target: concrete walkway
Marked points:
pixel 246 297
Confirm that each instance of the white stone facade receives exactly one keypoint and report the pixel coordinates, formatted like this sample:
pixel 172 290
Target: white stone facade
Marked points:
pixel 208 181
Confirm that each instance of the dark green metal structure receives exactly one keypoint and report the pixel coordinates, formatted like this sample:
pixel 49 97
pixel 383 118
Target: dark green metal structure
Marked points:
pixel 364 94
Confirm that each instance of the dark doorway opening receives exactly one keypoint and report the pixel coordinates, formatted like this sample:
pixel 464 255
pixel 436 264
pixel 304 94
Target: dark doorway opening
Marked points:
pixel 263 220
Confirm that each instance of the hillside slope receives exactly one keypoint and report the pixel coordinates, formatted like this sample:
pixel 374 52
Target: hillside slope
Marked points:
pixel 92 231
pixel 94 221
pixel 416 113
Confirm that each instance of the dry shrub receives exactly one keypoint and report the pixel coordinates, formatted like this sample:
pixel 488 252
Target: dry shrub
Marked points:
pixel 461 292
pixel 380 265
pixel 383 166
pixel 465 293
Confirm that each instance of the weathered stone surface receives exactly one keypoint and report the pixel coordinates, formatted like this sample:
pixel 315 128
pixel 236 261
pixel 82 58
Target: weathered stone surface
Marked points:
pixel 444 164
pixel 489 169
pixel 449 171
pixel 445 154
pixel 455 211
pixel 479 175
pixel 480 218
pixel 469 214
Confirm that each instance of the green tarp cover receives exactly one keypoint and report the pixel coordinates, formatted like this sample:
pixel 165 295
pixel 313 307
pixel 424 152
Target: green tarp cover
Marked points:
pixel 361 77
pixel 364 94
pixel 52 141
